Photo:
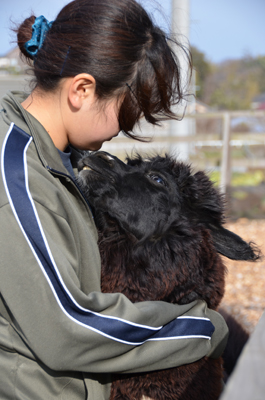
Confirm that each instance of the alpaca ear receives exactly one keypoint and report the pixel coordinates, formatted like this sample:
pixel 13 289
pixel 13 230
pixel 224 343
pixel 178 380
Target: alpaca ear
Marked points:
pixel 232 246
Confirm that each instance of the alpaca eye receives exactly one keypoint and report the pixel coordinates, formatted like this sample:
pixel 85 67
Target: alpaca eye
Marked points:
pixel 157 179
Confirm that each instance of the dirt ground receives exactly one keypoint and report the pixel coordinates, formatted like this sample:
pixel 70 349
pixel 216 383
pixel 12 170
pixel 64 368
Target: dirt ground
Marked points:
pixel 245 281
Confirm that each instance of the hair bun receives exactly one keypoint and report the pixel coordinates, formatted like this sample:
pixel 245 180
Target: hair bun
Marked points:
pixel 24 34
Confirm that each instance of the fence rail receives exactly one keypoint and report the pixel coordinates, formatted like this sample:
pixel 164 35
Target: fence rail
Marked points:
pixel 226 139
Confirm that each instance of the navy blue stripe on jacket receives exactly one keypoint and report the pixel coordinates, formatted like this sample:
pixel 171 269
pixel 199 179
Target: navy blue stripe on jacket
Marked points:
pixel 15 177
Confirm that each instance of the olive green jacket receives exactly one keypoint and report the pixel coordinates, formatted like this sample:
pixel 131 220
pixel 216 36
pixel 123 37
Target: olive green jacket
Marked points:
pixel 60 337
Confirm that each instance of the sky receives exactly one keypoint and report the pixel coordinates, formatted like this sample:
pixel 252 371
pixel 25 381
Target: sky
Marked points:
pixel 221 29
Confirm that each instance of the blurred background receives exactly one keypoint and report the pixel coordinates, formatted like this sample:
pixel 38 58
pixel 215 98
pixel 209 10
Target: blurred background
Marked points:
pixel 223 130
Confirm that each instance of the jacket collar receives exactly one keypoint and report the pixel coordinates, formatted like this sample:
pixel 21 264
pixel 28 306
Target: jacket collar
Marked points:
pixel 48 153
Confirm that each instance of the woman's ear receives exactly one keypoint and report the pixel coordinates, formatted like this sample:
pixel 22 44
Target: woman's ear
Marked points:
pixel 81 88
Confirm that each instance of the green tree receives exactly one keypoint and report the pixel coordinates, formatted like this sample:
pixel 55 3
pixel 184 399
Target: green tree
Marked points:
pixel 202 69
pixel 233 84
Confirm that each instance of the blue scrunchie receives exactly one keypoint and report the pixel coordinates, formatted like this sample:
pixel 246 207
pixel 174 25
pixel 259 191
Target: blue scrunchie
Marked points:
pixel 39 31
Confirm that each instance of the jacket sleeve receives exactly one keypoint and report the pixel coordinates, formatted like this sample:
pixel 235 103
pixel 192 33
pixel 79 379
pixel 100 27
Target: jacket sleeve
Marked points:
pixel 68 329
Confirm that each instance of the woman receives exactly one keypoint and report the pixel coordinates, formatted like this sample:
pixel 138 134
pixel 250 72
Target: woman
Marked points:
pixel 98 67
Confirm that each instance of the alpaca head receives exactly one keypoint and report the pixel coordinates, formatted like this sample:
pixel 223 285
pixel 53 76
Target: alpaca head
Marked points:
pixel 160 228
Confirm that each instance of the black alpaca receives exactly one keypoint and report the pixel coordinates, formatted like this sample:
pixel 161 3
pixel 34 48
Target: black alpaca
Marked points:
pixel 160 234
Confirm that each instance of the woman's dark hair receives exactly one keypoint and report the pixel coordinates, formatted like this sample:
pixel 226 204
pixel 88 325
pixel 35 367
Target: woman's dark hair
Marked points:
pixel 118 44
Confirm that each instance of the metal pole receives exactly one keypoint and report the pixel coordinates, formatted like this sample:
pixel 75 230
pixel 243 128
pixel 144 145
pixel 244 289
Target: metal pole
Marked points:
pixel 181 18
pixel 180 29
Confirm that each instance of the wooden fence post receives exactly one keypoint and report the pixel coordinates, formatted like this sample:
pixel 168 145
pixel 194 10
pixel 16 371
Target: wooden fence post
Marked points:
pixel 226 156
